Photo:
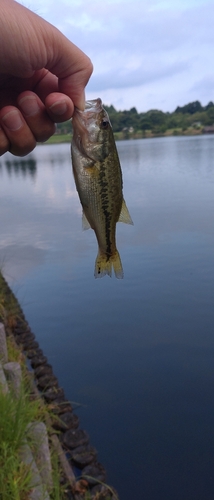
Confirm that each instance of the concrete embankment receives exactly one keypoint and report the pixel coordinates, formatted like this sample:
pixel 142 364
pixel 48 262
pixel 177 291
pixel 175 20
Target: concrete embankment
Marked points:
pixel 81 471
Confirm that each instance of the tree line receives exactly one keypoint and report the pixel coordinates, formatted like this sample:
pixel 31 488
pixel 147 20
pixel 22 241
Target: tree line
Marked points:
pixel 157 122
pixel 192 114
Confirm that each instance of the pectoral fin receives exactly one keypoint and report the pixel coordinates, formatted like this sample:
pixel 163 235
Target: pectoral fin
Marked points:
pixel 125 215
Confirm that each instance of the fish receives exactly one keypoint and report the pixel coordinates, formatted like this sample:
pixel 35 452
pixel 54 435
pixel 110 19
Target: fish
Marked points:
pixel 98 178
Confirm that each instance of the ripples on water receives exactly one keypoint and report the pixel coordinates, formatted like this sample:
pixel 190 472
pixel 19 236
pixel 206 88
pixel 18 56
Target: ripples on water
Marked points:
pixel 136 353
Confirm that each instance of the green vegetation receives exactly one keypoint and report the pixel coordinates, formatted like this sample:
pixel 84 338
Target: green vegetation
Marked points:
pixel 189 119
pixel 185 120
pixel 15 415
pixel 59 138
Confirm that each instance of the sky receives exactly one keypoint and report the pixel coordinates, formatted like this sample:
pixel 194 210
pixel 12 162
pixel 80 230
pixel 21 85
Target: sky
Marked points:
pixel 148 54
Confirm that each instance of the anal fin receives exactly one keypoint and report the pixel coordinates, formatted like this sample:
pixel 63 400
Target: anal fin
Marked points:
pixel 125 215
pixel 85 223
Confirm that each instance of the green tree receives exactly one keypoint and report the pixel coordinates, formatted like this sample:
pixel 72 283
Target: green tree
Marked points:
pixel 210 116
pixel 190 108
pixel 145 124
pixel 209 105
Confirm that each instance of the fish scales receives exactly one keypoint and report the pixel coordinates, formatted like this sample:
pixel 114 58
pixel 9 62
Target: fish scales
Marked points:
pixel 110 186
pixel 98 179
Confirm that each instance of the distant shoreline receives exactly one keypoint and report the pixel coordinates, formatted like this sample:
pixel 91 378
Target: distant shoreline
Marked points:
pixel 121 136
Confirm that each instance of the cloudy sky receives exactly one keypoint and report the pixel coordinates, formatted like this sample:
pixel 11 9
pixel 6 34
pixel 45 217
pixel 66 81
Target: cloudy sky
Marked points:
pixel 146 53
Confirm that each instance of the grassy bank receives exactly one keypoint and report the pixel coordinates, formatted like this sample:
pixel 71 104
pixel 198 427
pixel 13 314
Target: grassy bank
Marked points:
pixel 59 139
pixel 120 136
pixel 15 416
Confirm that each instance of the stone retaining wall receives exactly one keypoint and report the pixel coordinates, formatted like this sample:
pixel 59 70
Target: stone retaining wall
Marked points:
pixel 78 458
pixel 39 458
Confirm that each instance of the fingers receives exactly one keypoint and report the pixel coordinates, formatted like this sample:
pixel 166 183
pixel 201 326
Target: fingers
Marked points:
pixel 4 142
pixel 20 140
pixel 31 121
pixel 35 115
pixel 59 107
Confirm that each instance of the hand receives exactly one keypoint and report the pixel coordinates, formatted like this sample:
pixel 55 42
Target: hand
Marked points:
pixel 42 78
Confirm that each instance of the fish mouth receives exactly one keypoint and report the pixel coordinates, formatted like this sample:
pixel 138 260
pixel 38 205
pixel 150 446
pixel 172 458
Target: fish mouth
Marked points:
pixel 91 107
pixel 95 105
pixel 82 119
pixel 85 124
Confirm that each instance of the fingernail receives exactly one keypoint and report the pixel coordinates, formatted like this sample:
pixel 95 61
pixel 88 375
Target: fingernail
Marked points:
pixel 59 108
pixel 12 120
pixel 29 105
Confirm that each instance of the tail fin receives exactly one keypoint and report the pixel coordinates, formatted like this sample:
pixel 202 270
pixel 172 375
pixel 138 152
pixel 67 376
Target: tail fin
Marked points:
pixel 103 265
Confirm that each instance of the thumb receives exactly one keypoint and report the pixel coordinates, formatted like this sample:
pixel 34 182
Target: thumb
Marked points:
pixel 72 67
pixel 34 45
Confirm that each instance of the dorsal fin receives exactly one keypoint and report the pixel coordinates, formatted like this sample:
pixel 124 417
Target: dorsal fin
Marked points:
pixel 125 215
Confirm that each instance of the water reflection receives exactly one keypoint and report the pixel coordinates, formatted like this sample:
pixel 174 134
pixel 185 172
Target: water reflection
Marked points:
pixel 23 166
pixel 137 352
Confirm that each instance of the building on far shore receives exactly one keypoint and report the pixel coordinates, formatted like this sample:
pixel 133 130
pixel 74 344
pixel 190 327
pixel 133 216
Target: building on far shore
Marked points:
pixel 209 129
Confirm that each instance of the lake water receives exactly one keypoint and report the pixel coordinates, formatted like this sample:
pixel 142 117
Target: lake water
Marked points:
pixel 137 353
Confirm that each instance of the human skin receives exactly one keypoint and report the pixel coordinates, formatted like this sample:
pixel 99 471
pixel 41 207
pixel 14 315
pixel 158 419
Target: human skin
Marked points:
pixel 42 78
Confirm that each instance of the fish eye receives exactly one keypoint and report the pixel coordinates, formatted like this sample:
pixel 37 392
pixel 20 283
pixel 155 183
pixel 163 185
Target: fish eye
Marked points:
pixel 104 123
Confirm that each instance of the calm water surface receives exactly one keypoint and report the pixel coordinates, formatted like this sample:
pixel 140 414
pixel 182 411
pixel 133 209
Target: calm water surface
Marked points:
pixel 138 353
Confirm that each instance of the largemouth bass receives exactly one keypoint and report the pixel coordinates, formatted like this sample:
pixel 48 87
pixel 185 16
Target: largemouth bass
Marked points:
pixel 98 179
